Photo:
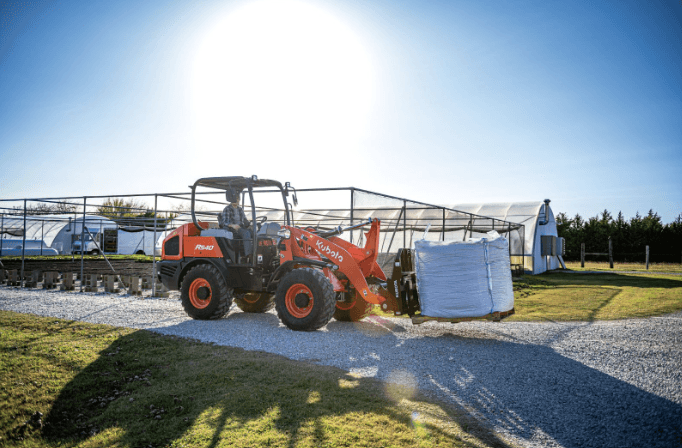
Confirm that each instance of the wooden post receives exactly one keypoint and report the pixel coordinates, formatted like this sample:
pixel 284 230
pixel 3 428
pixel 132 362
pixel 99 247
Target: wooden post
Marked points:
pixel 582 255
pixel 610 253
pixel 647 258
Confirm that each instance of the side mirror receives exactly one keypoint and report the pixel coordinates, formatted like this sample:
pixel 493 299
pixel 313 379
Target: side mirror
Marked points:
pixel 287 187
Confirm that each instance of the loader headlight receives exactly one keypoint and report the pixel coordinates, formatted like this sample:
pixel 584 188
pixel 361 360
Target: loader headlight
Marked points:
pixel 284 233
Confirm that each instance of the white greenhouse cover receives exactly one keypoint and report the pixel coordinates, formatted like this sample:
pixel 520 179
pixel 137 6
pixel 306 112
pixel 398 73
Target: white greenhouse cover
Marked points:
pixel 537 219
pixel 464 278
pixel 47 228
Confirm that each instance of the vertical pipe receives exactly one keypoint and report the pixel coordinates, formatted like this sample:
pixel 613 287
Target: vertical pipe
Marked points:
pixel 23 247
pixel 85 203
pixel 582 255
pixel 405 224
pixel 610 253
pixel 2 231
pixel 352 209
pixel 42 236
pixel 443 233
pixel 647 258
pixel 156 198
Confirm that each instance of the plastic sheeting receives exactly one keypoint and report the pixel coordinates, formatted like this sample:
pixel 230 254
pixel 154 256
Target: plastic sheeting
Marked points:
pixel 464 278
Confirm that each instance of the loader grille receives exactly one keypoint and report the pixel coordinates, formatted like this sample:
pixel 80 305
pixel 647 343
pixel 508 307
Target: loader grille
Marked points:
pixel 168 270
pixel 172 246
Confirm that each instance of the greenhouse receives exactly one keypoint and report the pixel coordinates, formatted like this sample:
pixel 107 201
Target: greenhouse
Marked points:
pixel 538 221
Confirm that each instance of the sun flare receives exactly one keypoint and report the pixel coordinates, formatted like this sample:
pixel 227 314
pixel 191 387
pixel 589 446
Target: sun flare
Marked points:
pixel 281 74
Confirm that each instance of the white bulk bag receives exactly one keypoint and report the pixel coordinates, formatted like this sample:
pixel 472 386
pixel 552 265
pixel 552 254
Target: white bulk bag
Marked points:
pixel 464 278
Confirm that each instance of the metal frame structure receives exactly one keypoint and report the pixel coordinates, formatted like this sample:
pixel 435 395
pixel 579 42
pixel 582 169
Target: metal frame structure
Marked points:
pixel 399 216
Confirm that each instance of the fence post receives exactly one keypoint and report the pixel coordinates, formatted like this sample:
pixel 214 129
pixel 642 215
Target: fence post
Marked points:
pixel 23 248
pixel 156 208
pixel 582 255
pixel 647 258
pixel 610 253
pixel 85 202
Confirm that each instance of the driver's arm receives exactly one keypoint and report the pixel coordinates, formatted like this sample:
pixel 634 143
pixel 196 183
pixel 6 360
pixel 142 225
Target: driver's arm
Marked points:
pixel 246 222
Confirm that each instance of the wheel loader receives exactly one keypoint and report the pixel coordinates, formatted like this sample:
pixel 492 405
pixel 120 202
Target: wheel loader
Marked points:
pixel 308 275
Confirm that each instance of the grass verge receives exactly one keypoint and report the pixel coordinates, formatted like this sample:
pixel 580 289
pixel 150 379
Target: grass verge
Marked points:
pixel 73 384
pixel 586 297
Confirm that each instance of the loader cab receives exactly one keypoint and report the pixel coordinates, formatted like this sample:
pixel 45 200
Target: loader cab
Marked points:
pixel 266 204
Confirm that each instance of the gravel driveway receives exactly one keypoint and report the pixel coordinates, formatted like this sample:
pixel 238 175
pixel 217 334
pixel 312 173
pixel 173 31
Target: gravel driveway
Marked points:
pixel 601 384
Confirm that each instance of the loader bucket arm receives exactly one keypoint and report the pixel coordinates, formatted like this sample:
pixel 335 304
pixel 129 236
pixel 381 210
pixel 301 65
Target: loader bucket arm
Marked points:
pixel 307 245
pixel 367 257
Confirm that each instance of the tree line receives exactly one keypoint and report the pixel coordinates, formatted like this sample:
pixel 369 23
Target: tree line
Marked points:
pixel 629 237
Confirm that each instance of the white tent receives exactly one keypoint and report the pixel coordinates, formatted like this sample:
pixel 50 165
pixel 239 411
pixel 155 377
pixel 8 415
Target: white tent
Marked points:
pixel 55 231
pixel 538 220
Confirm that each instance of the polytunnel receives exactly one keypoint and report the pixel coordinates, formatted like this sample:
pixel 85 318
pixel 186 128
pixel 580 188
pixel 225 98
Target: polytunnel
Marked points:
pixel 56 232
pixel 538 221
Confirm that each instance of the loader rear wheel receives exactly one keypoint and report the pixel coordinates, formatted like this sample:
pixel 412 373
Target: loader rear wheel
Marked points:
pixel 305 300
pixel 205 294
pixel 254 302
pixel 352 311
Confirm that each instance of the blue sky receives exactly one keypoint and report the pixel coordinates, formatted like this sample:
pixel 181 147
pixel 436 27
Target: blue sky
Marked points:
pixel 443 102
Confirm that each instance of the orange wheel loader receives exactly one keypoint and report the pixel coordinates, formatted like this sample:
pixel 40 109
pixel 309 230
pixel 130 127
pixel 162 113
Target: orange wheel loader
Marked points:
pixel 309 276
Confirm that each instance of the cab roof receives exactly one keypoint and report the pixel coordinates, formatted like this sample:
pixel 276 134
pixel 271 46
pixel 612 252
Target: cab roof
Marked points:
pixel 236 182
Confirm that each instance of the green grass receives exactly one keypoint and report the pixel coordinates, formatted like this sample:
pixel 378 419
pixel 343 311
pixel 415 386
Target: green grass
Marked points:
pixel 617 266
pixel 587 297
pixel 102 386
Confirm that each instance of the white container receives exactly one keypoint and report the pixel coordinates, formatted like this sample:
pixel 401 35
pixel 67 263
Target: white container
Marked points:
pixel 464 278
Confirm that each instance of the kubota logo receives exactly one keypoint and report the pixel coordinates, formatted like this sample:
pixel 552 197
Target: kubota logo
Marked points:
pixel 328 251
pixel 202 247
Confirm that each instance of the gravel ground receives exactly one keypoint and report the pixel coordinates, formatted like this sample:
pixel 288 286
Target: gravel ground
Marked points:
pixel 600 384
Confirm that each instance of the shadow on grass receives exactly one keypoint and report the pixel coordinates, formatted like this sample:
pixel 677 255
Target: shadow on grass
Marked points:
pixel 147 389
pixel 599 279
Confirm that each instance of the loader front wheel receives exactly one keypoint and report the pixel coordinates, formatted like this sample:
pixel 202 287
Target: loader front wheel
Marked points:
pixel 254 302
pixel 205 294
pixel 352 311
pixel 305 300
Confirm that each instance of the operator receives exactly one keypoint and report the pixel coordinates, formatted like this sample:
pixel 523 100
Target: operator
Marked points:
pixel 233 218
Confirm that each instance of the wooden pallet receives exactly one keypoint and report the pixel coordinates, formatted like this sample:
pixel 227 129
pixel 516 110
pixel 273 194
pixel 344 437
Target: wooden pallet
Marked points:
pixel 495 317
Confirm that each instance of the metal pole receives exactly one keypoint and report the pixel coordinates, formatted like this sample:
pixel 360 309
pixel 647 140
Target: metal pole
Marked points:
pixel 83 241
pixel 443 233
pixel 42 236
pixel 23 247
pixel 610 253
pixel 647 258
pixel 156 198
pixel 352 197
pixel 582 255
pixel 405 224
pixel 2 232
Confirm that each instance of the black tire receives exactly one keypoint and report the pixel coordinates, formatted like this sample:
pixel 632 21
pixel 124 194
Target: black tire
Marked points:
pixel 352 311
pixel 205 294
pixel 255 302
pixel 305 300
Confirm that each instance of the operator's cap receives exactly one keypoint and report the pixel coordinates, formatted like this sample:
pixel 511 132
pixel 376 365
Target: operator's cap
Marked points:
pixel 232 195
